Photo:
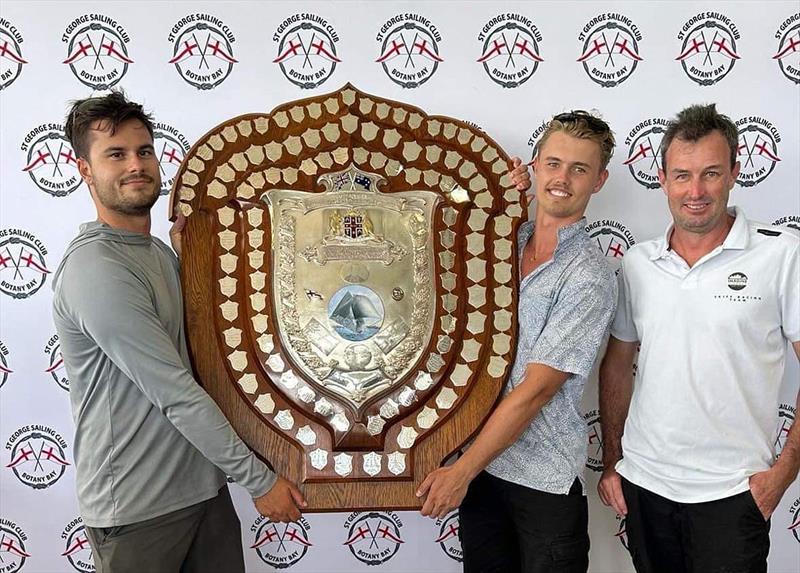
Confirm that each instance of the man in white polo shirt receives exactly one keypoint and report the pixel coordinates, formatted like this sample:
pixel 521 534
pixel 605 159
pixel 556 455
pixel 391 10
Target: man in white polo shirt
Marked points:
pixel 712 303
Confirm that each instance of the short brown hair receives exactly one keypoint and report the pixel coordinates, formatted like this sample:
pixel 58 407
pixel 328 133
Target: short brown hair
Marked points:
pixel 583 125
pixel 114 108
pixel 694 123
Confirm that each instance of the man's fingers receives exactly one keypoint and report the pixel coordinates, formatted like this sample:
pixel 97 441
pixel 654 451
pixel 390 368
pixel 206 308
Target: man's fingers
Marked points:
pixel 515 162
pixel 425 485
pixel 298 497
pixel 618 499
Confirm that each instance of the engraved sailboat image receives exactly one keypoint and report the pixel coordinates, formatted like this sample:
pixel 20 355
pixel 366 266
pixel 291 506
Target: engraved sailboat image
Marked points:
pixel 356 317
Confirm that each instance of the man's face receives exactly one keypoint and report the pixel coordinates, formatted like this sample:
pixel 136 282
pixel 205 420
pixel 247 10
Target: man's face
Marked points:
pixel 568 173
pixel 122 170
pixel 697 180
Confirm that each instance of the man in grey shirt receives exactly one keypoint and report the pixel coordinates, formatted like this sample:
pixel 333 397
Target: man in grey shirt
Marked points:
pixel 151 447
pixel 524 506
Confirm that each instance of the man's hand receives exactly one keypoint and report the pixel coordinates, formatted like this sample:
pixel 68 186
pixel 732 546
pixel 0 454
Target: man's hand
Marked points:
pixel 767 489
pixel 176 231
pixel 520 175
pixel 610 489
pixel 445 489
pixel 282 502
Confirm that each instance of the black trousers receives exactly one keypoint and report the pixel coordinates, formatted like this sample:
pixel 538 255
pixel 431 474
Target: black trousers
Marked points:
pixel 506 528
pixel 201 538
pixel 723 536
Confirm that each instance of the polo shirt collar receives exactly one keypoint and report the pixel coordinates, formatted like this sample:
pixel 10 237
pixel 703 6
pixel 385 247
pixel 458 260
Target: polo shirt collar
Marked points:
pixel 738 237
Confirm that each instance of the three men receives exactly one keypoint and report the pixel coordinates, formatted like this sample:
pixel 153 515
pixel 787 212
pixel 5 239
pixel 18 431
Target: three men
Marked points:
pixel 151 447
pixel 524 507
pixel 712 303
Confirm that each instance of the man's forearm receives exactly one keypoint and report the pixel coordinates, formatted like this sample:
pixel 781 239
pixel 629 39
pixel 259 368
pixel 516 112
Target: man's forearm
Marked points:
pixel 616 388
pixel 512 416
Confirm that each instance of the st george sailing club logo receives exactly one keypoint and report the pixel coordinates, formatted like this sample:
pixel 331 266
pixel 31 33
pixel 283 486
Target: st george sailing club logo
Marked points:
pixel 373 538
pixel 5 370
pixel 610 52
pixel 449 539
pixel 97 51
pixel 788 53
pixel 11 60
pixel 50 161
pixel 76 547
pixel 306 50
pixel 510 49
pixel 12 547
pixel 409 49
pixel 37 456
pixel 23 269
pixel 644 152
pixel 202 50
pixel 55 366
pixel 280 545
pixel 758 150
pixel 708 52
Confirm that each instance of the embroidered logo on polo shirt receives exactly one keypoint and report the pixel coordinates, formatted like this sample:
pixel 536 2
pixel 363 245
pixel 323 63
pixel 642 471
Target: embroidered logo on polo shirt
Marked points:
pixel 737 281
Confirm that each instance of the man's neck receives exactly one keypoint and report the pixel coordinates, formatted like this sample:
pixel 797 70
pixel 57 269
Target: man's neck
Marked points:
pixel 545 239
pixel 694 246
pixel 136 224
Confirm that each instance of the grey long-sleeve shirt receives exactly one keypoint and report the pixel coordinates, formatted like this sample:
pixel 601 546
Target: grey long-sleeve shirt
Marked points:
pixel 148 439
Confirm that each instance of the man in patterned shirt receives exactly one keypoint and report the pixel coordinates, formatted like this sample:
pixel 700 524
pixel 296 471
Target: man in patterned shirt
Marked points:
pixel 520 484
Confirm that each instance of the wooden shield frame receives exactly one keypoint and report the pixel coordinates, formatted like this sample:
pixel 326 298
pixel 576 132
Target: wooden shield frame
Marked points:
pixel 379 457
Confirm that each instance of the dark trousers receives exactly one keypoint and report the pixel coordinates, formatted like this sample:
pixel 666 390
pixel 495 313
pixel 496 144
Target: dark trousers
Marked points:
pixel 202 538
pixel 723 536
pixel 507 527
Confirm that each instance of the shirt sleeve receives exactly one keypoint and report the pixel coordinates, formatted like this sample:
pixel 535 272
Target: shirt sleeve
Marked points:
pixel 114 308
pixel 623 327
pixel 578 323
pixel 790 296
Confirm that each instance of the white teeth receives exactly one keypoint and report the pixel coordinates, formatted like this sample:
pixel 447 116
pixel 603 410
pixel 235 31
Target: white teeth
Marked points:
pixel 695 207
pixel 558 193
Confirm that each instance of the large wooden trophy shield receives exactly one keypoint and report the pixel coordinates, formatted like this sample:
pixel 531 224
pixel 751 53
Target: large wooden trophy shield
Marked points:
pixel 349 271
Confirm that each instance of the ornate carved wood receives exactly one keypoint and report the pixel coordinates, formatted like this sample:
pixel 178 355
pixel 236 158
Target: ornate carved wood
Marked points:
pixel 348 271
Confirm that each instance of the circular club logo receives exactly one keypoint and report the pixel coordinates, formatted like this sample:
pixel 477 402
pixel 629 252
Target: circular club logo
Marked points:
pixel 409 49
pixel 280 545
pixel 790 221
pixel 306 50
pixel 96 50
pixel 22 266
pixel 373 538
pixel 55 365
pixel 644 151
pixel 610 51
pixel 202 50
pixel 510 49
pixel 737 281
pixel 5 370
pixel 11 60
pixel 171 147
pixel 758 150
pixel 76 547
pixel 37 456
pixel 788 53
pixel 12 547
pixel 594 460
pixel 708 52
pixel 786 414
pixel 50 161
pixel 448 538
pixel 613 239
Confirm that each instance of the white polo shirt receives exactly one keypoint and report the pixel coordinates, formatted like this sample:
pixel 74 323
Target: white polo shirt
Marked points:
pixel 713 346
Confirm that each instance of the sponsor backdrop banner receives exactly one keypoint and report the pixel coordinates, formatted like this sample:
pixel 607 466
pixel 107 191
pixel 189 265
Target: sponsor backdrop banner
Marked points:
pixel 505 66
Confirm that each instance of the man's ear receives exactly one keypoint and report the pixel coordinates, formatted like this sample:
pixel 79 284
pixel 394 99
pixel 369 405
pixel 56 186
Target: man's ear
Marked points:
pixel 86 171
pixel 601 181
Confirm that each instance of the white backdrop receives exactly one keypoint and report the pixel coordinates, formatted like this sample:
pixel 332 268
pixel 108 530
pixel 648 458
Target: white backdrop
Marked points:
pixel 195 64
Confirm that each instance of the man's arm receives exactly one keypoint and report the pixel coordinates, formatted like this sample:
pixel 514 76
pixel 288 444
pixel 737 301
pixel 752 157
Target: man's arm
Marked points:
pixel 118 314
pixel 616 388
pixel 447 486
pixel 768 487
